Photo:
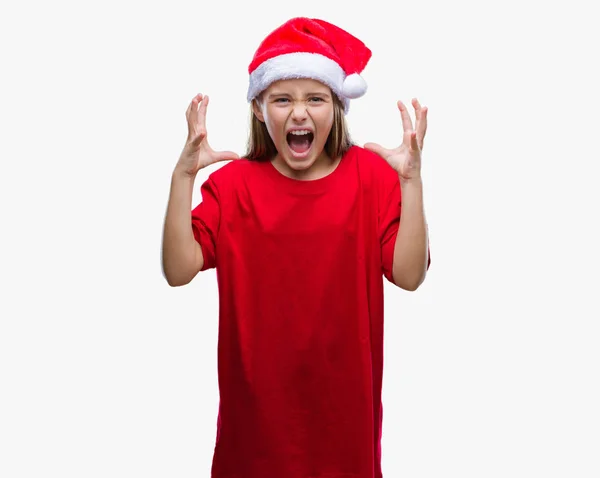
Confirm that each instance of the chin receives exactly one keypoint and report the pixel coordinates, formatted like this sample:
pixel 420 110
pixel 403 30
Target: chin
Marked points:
pixel 301 162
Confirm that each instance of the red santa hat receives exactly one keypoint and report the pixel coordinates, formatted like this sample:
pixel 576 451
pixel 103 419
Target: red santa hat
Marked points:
pixel 311 48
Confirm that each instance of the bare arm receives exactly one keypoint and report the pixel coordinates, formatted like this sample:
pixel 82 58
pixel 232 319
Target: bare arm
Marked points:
pixel 181 254
pixel 411 252
pixel 411 249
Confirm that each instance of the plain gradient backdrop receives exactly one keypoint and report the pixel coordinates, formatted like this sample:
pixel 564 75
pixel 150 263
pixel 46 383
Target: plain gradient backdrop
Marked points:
pixel 492 367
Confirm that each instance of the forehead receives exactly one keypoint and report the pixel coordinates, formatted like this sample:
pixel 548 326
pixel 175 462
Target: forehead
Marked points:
pixel 298 85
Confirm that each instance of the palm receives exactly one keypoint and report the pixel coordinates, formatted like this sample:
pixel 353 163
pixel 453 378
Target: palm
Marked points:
pixel 400 160
pixel 207 155
pixel 197 148
pixel 406 158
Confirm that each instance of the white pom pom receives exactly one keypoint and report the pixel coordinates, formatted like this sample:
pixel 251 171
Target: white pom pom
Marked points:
pixel 354 86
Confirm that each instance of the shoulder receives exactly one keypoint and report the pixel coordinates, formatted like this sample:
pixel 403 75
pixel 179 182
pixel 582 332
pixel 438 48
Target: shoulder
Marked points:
pixel 372 166
pixel 231 171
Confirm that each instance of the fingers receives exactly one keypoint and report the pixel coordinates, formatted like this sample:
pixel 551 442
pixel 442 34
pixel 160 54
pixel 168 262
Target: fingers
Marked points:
pixel 418 109
pixel 422 129
pixel 414 144
pixel 196 117
pixel 421 115
pixel 191 115
pixel 421 124
pixel 406 121
pixel 202 114
pixel 407 139
pixel 377 149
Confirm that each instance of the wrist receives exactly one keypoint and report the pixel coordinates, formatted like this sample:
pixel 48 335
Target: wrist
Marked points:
pixel 181 174
pixel 414 182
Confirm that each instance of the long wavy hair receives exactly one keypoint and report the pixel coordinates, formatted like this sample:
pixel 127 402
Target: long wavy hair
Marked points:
pixel 261 147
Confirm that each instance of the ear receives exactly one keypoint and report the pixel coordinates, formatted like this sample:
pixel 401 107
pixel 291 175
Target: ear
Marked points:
pixel 257 109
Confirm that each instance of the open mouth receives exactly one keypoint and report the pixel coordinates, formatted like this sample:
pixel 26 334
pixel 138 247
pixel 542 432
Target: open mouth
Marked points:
pixel 300 141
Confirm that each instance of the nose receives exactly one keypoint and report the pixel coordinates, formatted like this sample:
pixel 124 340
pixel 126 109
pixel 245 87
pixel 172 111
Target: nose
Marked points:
pixel 299 111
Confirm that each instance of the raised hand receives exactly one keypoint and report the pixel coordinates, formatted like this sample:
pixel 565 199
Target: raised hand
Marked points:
pixel 197 153
pixel 406 158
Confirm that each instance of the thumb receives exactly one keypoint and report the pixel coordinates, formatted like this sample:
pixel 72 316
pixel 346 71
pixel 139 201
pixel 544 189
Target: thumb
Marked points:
pixel 227 155
pixel 377 149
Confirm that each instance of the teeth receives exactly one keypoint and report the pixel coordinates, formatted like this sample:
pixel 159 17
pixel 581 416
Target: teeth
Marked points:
pixel 300 132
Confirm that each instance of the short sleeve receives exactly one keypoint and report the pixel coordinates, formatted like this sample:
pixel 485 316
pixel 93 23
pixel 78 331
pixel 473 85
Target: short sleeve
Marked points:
pixel 205 222
pixel 390 203
pixel 390 208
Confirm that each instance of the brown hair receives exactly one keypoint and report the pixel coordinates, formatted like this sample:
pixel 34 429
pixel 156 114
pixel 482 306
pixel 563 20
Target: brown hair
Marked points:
pixel 262 148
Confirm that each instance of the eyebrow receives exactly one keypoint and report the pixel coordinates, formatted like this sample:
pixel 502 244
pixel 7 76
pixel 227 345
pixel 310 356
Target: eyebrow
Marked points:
pixel 276 94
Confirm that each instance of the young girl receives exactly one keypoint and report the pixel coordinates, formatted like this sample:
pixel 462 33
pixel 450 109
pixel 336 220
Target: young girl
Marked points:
pixel 301 232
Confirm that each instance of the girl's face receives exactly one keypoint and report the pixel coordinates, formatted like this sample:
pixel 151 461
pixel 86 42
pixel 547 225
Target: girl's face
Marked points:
pixel 298 115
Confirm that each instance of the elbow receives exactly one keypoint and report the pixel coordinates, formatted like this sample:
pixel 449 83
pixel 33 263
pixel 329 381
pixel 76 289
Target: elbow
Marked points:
pixel 411 287
pixel 409 284
pixel 409 275
pixel 176 283
pixel 175 280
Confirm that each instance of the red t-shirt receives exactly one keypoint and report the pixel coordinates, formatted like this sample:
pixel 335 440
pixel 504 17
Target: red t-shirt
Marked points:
pixel 300 267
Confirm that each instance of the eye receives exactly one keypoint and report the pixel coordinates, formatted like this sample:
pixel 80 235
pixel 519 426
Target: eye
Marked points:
pixel 316 98
pixel 280 100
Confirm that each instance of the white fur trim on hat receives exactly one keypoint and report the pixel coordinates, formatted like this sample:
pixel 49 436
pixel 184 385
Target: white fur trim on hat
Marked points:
pixel 299 65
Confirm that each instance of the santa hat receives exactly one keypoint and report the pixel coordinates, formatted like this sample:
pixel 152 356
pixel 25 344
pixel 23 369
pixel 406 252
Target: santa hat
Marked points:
pixel 311 48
